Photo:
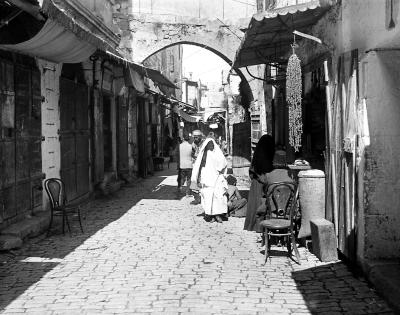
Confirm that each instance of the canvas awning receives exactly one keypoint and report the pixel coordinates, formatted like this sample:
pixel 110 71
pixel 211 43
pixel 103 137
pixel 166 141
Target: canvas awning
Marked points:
pixel 209 114
pixel 138 71
pixel 74 16
pixel 186 116
pixel 270 33
pixel 154 75
pixel 54 43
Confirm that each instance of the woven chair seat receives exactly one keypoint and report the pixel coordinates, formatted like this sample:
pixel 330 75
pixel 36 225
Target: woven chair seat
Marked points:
pixel 275 224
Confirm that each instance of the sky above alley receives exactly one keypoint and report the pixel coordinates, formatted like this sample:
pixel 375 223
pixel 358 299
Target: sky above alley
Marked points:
pixel 204 65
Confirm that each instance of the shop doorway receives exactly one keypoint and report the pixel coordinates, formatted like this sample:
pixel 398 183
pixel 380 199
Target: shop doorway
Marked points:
pixel 74 132
pixel 107 134
pixel 20 138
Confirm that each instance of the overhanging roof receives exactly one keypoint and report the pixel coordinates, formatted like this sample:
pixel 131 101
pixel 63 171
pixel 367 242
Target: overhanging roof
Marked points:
pixel 54 43
pixel 270 33
pixel 186 116
pixel 155 75
pixel 75 17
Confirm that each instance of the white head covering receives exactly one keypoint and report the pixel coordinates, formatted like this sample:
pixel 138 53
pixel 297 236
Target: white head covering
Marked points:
pixel 215 160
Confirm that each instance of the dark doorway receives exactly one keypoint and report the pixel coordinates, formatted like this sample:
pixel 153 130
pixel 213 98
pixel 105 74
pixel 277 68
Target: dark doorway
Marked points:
pixel 107 133
pixel 74 136
pixel 20 139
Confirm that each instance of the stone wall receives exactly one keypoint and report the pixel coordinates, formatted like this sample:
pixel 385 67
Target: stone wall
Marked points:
pixel 363 25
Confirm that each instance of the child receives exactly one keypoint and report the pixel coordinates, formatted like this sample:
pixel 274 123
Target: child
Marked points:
pixel 237 205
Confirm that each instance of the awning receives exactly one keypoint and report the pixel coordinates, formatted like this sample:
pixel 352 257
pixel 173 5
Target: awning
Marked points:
pixel 138 71
pixel 78 19
pixel 208 114
pixel 154 75
pixel 270 33
pixel 185 116
pixel 136 80
pixel 54 43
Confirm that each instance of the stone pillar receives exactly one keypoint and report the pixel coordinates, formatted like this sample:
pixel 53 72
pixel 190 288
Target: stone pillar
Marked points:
pixel 51 147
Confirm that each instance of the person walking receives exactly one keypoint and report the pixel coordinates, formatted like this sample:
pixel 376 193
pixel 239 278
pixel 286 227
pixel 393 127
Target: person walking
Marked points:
pixel 185 163
pixel 196 145
pixel 208 173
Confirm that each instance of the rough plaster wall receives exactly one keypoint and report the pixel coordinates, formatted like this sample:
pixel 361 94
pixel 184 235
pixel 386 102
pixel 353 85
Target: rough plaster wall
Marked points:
pixel 103 9
pixel 210 9
pixel 150 36
pixel 382 163
pixel 362 25
pixel 51 148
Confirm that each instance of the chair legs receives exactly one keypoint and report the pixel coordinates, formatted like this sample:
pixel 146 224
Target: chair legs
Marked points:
pixel 296 251
pixel 290 244
pixel 267 245
pixel 50 224
pixel 65 222
pixel 79 218
pixel 69 227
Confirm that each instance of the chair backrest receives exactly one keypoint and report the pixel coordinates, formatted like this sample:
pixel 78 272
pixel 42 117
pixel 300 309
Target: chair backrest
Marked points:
pixel 281 200
pixel 55 189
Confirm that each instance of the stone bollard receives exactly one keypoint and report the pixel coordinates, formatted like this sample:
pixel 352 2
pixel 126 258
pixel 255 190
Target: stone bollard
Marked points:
pixel 311 198
pixel 323 239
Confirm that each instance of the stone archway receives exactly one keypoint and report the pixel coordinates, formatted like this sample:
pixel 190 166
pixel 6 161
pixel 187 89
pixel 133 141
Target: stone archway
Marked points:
pixel 144 35
pixel 149 35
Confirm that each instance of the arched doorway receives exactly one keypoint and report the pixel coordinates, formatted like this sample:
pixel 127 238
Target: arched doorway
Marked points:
pixel 239 129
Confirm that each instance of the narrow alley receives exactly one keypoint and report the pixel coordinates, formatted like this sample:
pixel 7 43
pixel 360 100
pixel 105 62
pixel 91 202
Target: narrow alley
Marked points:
pixel 147 250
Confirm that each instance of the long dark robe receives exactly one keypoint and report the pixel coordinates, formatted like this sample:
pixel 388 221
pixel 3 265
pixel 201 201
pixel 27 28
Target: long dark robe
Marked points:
pixel 261 164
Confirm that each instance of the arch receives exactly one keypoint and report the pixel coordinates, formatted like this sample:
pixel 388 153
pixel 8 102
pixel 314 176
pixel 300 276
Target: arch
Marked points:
pixel 149 38
pixel 244 76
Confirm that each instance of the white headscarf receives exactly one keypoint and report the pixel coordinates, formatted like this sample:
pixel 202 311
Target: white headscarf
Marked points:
pixel 216 161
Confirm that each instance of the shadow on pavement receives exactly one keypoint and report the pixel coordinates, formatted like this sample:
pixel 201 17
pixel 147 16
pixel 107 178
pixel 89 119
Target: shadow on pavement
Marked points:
pixel 333 289
pixel 22 269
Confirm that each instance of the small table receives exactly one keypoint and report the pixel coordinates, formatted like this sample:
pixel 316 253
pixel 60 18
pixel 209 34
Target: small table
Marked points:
pixel 294 170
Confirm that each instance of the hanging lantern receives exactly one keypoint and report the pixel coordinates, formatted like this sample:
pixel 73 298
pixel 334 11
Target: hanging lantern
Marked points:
pixel 293 99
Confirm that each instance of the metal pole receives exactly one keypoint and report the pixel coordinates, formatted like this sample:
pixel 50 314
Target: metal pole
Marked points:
pixel 223 9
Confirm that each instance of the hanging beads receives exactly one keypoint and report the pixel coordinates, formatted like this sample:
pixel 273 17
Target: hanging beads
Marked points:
pixel 293 99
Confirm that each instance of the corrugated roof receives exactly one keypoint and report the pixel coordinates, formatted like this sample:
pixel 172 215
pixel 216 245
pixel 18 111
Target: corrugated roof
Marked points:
pixel 270 33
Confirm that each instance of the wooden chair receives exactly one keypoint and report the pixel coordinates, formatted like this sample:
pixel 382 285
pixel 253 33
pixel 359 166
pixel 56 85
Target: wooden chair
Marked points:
pixel 59 206
pixel 282 208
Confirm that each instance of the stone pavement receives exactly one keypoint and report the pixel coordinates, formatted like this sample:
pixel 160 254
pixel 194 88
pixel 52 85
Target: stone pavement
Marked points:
pixel 147 251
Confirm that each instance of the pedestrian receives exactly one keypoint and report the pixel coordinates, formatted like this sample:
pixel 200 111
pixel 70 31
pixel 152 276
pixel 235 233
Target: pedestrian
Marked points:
pixel 198 141
pixel 224 147
pixel 237 205
pixel 208 173
pixel 185 163
pixel 211 134
pixel 261 164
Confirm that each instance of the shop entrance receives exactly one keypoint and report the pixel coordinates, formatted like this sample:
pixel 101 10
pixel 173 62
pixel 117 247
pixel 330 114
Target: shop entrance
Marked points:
pixel 107 133
pixel 20 138
pixel 74 134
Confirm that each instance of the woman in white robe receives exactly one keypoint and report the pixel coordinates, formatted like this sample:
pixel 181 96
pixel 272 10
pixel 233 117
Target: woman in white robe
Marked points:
pixel 208 173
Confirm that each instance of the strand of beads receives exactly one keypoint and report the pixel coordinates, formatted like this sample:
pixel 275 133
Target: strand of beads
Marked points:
pixel 293 99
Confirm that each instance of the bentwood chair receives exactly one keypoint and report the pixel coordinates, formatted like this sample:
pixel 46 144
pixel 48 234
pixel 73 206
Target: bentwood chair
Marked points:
pixel 59 205
pixel 282 211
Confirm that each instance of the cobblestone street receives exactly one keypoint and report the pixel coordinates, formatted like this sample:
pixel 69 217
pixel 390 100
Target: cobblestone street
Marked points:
pixel 146 250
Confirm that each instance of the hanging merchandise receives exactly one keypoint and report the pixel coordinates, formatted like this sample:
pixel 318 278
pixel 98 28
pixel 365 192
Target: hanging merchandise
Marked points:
pixel 293 99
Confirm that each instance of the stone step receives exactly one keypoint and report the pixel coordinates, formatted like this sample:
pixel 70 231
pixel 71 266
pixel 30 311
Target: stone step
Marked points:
pixel 29 227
